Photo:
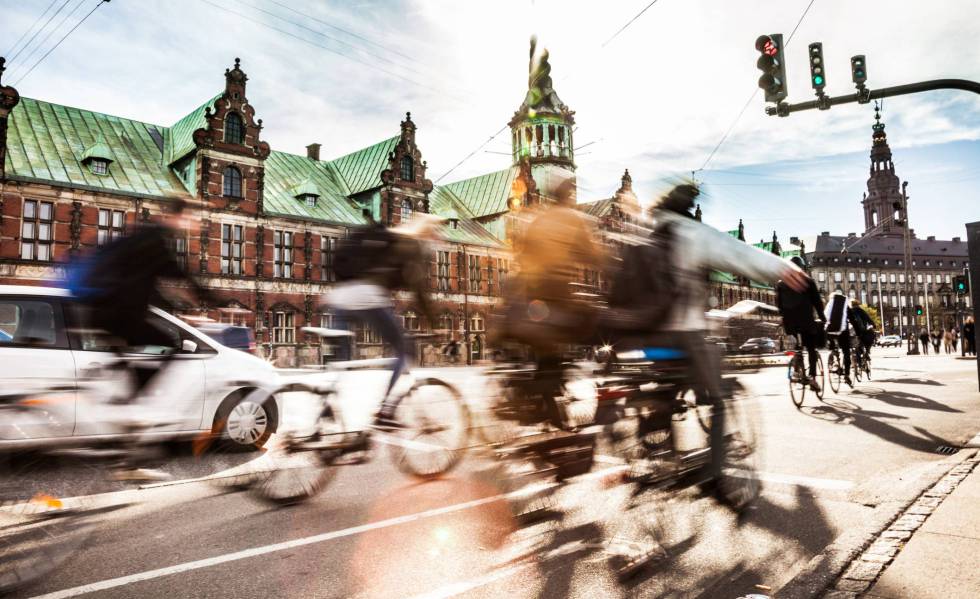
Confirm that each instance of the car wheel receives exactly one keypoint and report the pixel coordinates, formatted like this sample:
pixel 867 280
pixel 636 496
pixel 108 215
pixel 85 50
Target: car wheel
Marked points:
pixel 245 420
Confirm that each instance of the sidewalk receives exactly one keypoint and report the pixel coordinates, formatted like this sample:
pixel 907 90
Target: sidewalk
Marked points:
pixel 933 547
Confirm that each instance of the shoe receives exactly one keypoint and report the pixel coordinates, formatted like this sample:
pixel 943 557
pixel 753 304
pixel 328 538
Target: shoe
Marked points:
pixel 387 422
pixel 847 379
pixel 140 475
pixel 814 385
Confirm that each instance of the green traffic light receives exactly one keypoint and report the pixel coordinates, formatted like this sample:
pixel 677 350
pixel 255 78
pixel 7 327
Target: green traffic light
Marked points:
pixel 818 80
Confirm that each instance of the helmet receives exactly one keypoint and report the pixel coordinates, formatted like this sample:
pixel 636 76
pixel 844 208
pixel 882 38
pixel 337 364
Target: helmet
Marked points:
pixel 798 261
pixel 680 199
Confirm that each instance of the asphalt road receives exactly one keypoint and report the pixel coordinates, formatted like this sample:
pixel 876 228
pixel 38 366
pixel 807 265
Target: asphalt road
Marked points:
pixel 825 467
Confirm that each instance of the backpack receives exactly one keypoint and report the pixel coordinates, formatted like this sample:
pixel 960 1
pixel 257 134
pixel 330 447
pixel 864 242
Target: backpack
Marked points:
pixel 93 275
pixel 362 253
pixel 643 291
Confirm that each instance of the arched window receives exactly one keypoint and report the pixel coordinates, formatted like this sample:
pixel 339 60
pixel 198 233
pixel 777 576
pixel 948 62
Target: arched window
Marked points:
pixel 446 321
pixel 407 169
pixel 406 210
pixel 874 218
pixel 234 130
pixel 232 182
pixel 411 320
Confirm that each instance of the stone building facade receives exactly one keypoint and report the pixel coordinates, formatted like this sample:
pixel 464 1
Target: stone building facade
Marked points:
pixel 872 267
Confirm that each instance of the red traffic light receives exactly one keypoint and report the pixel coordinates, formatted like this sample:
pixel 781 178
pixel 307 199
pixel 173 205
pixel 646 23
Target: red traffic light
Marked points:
pixel 766 45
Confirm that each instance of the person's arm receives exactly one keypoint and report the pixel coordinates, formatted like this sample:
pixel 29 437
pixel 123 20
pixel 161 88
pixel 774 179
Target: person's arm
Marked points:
pixel 816 300
pixel 726 253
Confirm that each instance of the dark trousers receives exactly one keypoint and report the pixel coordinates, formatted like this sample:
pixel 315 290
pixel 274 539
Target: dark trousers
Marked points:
pixel 704 371
pixel 809 342
pixel 384 321
pixel 843 341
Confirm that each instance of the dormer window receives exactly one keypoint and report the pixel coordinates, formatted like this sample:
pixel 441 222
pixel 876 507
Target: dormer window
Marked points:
pixel 234 129
pixel 309 199
pixel 99 166
pixel 306 192
pixel 407 168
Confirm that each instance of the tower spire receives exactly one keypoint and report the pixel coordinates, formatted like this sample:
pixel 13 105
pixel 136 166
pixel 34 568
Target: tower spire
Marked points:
pixel 541 128
pixel 882 202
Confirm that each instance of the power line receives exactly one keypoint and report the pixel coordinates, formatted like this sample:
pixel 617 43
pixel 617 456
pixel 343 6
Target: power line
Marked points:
pixel 350 33
pixel 31 28
pixel 471 154
pixel 46 23
pixel 63 38
pixel 754 93
pixel 327 48
pixel 628 23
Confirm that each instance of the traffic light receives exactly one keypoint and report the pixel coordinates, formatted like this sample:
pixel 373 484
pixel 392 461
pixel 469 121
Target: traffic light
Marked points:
pixel 918 310
pixel 859 70
pixel 960 284
pixel 818 74
pixel 772 65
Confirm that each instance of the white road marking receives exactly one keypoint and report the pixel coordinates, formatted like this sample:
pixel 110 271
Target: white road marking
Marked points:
pixel 265 549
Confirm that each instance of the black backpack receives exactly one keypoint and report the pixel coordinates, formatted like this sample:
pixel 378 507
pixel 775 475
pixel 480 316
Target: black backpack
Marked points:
pixel 362 253
pixel 643 292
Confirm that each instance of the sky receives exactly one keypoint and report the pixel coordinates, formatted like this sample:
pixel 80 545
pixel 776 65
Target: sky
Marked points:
pixel 655 97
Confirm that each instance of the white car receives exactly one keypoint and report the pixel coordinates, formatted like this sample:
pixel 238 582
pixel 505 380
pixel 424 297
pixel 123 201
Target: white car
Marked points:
pixel 202 393
pixel 890 341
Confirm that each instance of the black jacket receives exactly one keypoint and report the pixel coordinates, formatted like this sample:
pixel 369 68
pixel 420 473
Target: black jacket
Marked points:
pixel 797 308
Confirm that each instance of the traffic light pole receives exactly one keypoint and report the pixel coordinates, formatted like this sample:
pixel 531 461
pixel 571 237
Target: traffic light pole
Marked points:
pixel 865 96
pixel 913 328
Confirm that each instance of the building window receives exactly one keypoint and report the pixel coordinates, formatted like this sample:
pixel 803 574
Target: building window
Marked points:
pixel 838 277
pixel 234 130
pixel 367 334
pixel 901 277
pixel 406 210
pixel 948 279
pixel 928 278
pixel 411 321
pixel 851 277
pixel 99 166
pixel 490 269
pixel 407 169
pixel 864 277
pixel 891 278
pixel 178 244
pixel 309 199
pixel 918 279
pixel 282 255
pixel 112 224
pixel 903 299
pixel 233 316
pixel 474 274
pixel 233 182
pixel 446 321
pixel 283 327
pixel 37 230
pixel 821 276
pixel 232 242
pixel 503 267
pixel 442 271
pixel 477 324
pixel 328 245
pixel 874 277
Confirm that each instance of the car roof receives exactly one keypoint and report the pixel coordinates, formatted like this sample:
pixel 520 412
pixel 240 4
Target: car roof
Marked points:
pixel 33 290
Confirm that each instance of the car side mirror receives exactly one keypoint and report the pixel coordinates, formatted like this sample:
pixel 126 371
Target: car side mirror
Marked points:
pixel 188 347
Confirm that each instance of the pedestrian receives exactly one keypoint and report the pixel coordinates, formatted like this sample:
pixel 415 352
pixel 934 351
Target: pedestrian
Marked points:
pixel 969 336
pixel 956 338
pixel 948 341
pixel 937 338
pixel 924 338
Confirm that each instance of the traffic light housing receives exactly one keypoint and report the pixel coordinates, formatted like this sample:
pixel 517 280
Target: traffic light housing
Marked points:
pixel 773 67
pixel 859 70
pixel 961 285
pixel 818 72
pixel 918 310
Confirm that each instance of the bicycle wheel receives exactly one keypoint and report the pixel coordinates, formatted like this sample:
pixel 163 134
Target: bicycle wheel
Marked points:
pixel 867 367
pixel 858 369
pixel 740 480
pixel 797 386
pixel 820 377
pixel 834 371
pixel 40 531
pixel 435 433
pixel 302 463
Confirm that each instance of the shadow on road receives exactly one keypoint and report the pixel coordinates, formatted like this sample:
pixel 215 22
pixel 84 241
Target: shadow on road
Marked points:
pixel 903 400
pixel 912 381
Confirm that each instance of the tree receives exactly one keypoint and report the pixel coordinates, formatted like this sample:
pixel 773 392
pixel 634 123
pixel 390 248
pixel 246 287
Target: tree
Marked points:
pixel 873 313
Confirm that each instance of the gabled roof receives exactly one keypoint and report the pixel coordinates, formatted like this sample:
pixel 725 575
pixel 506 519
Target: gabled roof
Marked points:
pixel 361 170
pixel 486 194
pixel 284 172
pixel 48 142
pixel 598 208
pixel 182 132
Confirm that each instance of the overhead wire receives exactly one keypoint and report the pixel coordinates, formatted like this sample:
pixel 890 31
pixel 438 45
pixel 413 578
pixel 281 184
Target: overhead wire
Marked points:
pixel 63 38
pixel 752 97
pixel 31 28
pixel 628 23
pixel 36 33
pixel 329 49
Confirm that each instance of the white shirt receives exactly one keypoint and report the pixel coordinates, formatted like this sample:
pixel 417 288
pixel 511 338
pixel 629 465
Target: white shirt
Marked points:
pixel 358 295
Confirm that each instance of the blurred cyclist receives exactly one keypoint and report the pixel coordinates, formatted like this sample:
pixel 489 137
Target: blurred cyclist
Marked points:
pixel 865 329
pixel 696 248
pixel 371 264
pixel 797 310
pixel 840 319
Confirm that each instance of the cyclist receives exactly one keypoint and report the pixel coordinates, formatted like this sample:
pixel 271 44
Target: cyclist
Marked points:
pixel 840 319
pixel 865 329
pixel 696 248
pixel 797 310
pixel 371 265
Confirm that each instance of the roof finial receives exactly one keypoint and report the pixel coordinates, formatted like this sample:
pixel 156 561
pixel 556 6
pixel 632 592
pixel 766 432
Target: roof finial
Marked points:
pixel 238 62
pixel 408 116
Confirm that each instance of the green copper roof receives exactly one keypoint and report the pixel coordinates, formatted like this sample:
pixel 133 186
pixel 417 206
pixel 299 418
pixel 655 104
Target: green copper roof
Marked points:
pixel 361 170
pixel 467 231
pixel 48 142
pixel 486 194
pixel 722 277
pixel 444 203
pixel 99 149
pixel 284 172
pixel 182 132
pixel 305 188
pixel 598 208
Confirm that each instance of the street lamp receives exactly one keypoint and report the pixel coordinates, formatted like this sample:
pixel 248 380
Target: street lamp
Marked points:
pixel 912 341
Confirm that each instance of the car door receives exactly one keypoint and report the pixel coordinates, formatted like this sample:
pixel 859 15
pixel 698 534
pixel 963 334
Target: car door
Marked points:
pixel 35 357
pixel 173 400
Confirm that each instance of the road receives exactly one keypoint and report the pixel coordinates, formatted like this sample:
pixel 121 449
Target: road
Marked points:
pixel 827 468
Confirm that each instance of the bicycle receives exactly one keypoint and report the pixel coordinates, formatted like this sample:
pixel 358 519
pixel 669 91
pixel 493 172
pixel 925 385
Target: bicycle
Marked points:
pixel 799 380
pixel 834 367
pixel 306 459
pixel 862 361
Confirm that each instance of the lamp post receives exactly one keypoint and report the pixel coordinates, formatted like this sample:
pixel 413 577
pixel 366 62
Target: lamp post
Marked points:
pixel 913 343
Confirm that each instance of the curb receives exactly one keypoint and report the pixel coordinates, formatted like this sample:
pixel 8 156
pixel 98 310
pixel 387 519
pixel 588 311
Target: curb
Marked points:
pixel 827 569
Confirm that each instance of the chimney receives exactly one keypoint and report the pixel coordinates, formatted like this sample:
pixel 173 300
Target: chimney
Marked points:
pixel 825 234
pixel 794 240
pixel 313 151
pixel 956 240
pixel 931 238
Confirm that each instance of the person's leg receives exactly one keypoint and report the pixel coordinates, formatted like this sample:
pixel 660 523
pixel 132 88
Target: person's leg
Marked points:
pixel 809 342
pixel 385 322
pixel 845 348
pixel 704 368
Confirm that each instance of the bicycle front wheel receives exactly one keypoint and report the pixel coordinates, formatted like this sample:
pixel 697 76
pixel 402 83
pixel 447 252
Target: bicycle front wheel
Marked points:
pixel 797 386
pixel 835 372
pixel 435 429
pixel 820 377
